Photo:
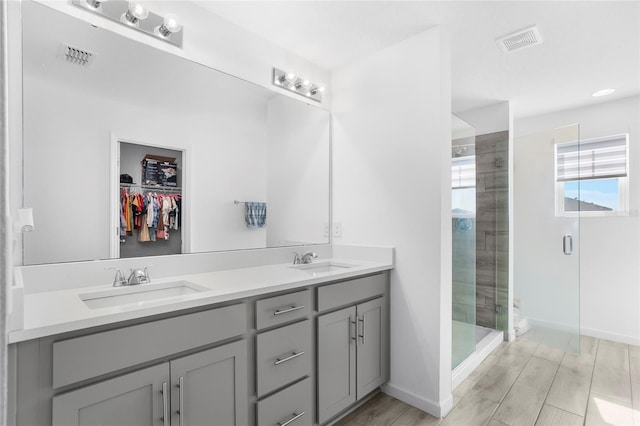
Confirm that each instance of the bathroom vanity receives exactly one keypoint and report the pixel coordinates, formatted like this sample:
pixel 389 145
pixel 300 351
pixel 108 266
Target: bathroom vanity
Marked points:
pixel 300 346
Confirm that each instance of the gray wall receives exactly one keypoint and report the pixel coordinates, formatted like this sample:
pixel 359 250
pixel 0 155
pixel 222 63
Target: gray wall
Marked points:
pixel 492 227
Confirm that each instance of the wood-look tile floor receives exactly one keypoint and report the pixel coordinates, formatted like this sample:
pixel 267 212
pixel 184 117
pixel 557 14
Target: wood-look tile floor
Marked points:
pixel 527 383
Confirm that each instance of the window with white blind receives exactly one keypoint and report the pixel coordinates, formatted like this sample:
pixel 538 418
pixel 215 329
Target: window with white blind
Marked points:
pixel 463 172
pixel 592 177
pixel 463 185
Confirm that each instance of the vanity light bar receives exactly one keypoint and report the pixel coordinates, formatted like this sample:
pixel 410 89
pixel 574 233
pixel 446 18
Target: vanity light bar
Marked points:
pixel 298 85
pixel 135 15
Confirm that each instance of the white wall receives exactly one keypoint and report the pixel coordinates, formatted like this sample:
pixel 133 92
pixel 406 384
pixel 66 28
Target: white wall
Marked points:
pixel 297 173
pixel 609 246
pixel 391 187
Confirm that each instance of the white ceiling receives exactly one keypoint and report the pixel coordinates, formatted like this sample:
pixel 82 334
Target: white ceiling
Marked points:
pixel 587 45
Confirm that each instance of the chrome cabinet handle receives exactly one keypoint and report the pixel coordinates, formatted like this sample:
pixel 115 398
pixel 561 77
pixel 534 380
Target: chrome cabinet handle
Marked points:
pixel 363 329
pixel 289 358
pixel 292 419
pixel 181 404
pixel 165 405
pixel 567 244
pixel 353 336
pixel 286 311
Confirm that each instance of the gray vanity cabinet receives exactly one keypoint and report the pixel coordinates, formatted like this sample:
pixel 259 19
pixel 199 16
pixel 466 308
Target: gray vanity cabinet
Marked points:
pixel 206 388
pixel 336 362
pixel 210 387
pixel 371 346
pixel 135 399
pixel 352 344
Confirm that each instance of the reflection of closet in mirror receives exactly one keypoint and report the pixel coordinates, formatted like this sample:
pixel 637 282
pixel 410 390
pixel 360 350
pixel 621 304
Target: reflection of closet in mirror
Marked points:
pixel 150 202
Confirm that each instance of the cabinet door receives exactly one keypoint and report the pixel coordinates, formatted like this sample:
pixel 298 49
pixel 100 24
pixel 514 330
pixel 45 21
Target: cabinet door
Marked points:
pixel 371 358
pixel 135 399
pixel 336 362
pixel 210 387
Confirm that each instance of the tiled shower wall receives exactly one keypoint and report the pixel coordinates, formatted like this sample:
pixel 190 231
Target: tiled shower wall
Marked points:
pixel 492 228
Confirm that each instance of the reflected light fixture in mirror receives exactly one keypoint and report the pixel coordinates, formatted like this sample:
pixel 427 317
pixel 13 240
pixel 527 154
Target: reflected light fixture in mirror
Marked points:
pixel 169 26
pixel 135 15
pixel 95 4
pixel 135 12
pixel 295 84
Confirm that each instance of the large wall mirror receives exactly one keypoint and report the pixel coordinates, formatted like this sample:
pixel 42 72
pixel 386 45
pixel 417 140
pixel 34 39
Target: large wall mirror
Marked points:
pixel 233 140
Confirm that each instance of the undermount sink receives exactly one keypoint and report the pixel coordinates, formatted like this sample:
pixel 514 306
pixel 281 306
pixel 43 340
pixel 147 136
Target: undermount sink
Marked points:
pixel 138 295
pixel 323 267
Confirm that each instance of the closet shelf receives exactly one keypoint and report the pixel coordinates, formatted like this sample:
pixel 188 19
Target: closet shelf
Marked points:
pixel 152 187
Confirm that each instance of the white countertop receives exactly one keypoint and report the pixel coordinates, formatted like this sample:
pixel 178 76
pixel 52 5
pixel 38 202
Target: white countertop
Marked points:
pixel 53 312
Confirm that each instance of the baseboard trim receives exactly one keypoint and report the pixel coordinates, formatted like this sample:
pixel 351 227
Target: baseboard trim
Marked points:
pixel 601 334
pixel 436 409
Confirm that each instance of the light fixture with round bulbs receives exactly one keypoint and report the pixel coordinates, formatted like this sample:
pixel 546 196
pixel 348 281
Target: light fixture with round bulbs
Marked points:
pixel 95 4
pixel 170 25
pixel 135 13
pixel 288 80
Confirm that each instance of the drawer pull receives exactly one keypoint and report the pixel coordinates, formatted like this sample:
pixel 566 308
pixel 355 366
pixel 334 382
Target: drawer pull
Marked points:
pixel 165 405
pixel 289 358
pixel 355 328
pixel 181 403
pixel 286 311
pixel 292 419
pixel 363 329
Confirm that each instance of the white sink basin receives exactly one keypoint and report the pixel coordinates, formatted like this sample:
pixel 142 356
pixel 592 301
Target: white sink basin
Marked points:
pixel 138 295
pixel 323 267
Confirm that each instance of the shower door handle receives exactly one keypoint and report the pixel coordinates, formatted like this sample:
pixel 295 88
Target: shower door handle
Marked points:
pixel 567 244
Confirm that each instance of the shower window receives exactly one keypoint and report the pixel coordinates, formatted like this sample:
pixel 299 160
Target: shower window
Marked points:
pixel 592 177
pixel 463 184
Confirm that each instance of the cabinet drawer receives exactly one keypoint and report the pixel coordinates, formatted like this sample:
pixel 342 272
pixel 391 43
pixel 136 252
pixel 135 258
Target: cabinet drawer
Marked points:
pixel 280 309
pixel 350 292
pixel 89 356
pixel 283 355
pixel 289 407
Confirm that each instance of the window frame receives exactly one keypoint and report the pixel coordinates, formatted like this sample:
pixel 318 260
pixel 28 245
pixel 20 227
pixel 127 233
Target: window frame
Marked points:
pixel 623 184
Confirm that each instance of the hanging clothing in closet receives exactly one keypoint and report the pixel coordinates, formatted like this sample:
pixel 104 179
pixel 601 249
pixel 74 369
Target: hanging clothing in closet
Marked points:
pixel 151 214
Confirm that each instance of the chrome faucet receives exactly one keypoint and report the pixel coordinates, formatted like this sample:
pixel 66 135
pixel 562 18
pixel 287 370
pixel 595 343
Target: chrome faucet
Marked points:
pixel 119 280
pixel 139 276
pixel 304 258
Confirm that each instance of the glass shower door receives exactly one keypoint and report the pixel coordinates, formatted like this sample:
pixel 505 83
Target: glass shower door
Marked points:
pixel 463 213
pixel 546 243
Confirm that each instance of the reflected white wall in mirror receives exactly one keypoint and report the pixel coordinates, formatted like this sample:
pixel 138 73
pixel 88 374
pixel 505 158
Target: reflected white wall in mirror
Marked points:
pixel 241 141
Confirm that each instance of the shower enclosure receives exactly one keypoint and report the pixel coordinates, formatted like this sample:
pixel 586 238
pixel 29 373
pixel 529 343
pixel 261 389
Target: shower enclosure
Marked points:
pixel 463 216
pixel 479 211
pixel 547 230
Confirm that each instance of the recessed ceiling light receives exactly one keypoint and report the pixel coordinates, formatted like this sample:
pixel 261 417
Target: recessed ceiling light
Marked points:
pixel 603 92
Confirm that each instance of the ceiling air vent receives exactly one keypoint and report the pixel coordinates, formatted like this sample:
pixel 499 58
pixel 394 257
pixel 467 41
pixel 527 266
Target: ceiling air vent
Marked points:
pixel 76 56
pixel 520 40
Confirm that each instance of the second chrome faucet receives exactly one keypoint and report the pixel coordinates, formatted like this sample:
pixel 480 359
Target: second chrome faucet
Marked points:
pixel 137 276
pixel 304 258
